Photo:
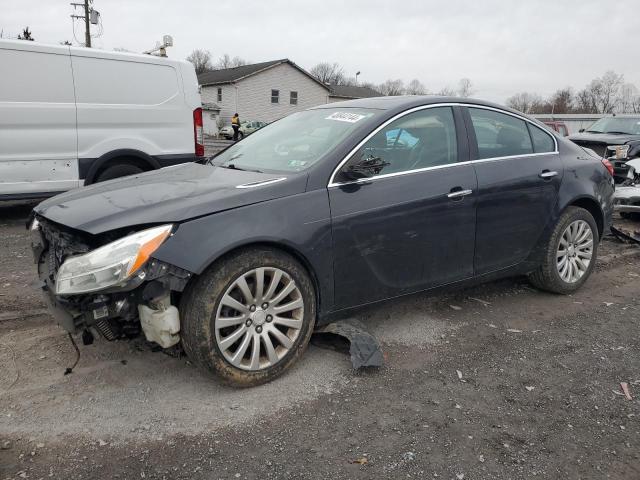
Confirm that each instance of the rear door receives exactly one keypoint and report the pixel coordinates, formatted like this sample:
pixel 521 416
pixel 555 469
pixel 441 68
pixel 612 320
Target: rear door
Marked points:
pixel 519 173
pixel 38 143
pixel 412 226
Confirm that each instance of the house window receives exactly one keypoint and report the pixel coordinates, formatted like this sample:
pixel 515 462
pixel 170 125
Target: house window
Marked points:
pixel 219 94
pixel 275 96
pixel 293 98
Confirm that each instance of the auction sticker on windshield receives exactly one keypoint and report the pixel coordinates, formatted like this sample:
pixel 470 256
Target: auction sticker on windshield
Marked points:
pixel 346 117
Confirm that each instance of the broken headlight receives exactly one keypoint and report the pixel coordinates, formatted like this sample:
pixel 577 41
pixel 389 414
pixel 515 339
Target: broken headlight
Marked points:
pixel 111 264
pixel 618 152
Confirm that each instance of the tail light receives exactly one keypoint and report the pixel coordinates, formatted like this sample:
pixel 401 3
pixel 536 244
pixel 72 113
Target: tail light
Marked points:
pixel 198 132
pixel 608 165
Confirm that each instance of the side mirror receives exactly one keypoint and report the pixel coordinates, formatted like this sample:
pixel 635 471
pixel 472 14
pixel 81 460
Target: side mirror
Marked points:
pixel 581 130
pixel 366 167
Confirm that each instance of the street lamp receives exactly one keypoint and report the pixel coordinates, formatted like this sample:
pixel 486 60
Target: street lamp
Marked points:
pixel 357 73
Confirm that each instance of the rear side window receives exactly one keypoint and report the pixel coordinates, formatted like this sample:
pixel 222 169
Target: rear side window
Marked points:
pixel 542 141
pixel 499 134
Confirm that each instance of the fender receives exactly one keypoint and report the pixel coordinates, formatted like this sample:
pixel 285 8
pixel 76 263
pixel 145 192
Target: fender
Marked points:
pixel 89 167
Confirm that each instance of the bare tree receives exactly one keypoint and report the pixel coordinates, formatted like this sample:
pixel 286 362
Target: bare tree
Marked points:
pixel 629 99
pixel 392 88
pixel 526 102
pixel 447 92
pixel 415 87
pixel 465 88
pixel 201 60
pixel 561 101
pixel 602 94
pixel 225 61
pixel 329 73
pixel 584 102
pixel 25 35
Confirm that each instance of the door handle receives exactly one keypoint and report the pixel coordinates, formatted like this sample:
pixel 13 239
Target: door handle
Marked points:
pixel 546 174
pixel 459 193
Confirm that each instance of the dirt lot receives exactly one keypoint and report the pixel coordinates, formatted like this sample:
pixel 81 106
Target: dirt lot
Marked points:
pixel 539 392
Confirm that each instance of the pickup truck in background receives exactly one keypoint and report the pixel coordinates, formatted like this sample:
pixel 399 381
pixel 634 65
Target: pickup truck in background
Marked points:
pixel 616 138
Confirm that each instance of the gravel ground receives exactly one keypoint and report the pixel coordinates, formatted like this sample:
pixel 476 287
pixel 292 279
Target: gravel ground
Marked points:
pixel 537 393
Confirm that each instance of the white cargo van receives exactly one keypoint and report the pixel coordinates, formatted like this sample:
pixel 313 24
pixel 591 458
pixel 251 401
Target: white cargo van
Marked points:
pixel 74 116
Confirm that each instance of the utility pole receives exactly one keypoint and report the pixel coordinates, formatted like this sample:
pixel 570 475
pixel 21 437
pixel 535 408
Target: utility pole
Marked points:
pixel 87 20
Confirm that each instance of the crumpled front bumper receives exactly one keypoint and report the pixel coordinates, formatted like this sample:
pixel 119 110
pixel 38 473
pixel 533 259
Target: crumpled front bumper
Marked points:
pixel 112 311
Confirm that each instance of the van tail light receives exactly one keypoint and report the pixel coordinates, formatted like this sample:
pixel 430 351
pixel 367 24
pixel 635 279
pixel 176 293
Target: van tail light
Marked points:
pixel 198 132
pixel 608 165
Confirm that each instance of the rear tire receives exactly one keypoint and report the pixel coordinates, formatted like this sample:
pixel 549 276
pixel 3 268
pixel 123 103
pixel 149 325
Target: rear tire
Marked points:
pixel 117 171
pixel 225 316
pixel 557 277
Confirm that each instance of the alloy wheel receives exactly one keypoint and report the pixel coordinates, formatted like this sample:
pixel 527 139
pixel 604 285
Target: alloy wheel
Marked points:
pixel 575 251
pixel 259 318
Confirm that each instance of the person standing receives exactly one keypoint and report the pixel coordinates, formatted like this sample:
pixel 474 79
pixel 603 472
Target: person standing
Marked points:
pixel 235 124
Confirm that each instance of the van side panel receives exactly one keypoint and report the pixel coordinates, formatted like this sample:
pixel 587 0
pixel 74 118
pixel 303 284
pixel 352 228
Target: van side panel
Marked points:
pixel 135 105
pixel 38 142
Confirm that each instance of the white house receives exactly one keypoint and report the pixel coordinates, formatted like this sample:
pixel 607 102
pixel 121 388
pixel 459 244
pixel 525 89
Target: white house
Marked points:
pixel 265 92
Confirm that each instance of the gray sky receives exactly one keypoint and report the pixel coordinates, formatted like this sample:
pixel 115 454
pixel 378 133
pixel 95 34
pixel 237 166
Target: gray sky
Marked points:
pixel 503 46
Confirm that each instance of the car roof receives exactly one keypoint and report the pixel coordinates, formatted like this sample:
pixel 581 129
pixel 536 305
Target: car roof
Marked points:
pixel 408 101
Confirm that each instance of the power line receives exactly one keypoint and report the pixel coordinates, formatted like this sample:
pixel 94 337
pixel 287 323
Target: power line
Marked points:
pixel 91 16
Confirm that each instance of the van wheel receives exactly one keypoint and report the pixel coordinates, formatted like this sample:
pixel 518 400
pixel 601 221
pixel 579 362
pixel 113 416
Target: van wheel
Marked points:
pixel 249 317
pixel 570 254
pixel 117 171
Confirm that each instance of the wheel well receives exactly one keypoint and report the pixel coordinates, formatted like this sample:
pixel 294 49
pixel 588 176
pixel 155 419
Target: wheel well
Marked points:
pixel 286 249
pixel 138 162
pixel 98 167
pixel 594 209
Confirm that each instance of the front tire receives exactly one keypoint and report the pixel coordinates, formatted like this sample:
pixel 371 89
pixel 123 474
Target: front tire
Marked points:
pixel 570 254
pixel 249 317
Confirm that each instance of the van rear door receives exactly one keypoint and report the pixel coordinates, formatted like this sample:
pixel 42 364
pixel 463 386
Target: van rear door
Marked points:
pixel 38 137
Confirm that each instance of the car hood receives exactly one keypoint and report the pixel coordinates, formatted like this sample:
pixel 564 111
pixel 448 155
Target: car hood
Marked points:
pixel 169 195
pixel 603 138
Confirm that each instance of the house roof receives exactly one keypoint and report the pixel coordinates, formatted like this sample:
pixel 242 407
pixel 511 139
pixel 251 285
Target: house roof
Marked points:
pixel 352 91
pixel 230 75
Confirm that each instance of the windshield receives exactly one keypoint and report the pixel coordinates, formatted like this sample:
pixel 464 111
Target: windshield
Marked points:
pixel 294 143
pixel 628 125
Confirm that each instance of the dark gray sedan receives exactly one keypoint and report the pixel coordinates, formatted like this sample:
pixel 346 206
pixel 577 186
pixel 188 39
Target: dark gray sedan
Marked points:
pixel 339 206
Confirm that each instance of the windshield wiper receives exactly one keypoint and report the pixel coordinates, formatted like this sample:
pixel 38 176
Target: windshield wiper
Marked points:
pixel 233 166
pixel 594 131
pixel 619 133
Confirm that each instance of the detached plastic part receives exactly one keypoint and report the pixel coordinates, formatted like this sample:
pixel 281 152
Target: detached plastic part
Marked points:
pixel 160 325
pixel 364 348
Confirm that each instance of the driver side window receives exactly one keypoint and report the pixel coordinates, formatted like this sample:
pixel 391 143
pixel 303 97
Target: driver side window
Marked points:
pixel 422 139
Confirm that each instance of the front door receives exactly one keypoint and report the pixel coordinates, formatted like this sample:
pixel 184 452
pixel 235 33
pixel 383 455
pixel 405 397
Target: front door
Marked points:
pixel 412 226
pixel 519 173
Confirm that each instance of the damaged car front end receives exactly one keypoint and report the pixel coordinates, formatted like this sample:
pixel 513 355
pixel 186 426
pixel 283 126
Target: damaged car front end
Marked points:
pixel 627 196
pixel 109 283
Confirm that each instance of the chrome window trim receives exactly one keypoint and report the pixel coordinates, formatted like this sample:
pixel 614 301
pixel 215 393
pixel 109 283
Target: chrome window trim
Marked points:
pixel 333 183
pixel 260 183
